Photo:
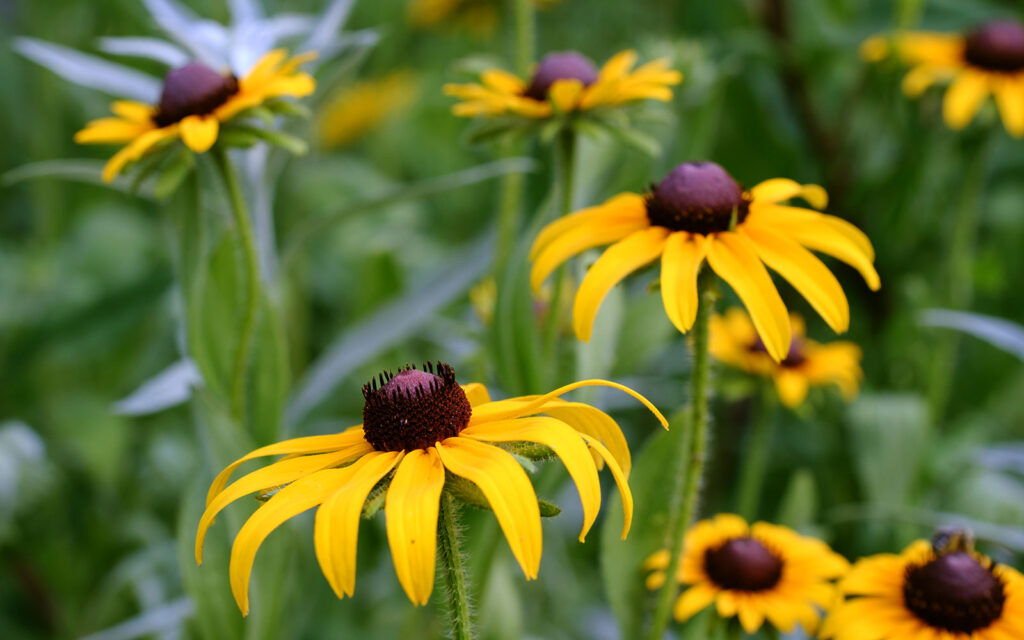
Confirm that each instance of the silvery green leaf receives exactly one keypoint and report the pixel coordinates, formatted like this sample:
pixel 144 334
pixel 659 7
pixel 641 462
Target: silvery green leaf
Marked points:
pixel 1002 334
pixel 163 618
pixel 167 389
pixel 90 71
pixel 1007 456
pixel 250 40
pixel 328 24
pixel 355 45
pixel 198 36
pixel 87 171
pixel 149 48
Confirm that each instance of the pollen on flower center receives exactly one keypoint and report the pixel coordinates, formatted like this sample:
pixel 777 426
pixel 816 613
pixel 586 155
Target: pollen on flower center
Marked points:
pixel 743 564
pixel 568 65
pixel 699 197
pixel 414 409
pixel 996 46
pixel 954 592
pixel 194 89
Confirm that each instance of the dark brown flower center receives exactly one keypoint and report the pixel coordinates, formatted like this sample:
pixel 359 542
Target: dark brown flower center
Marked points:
pixel 567 65
pixel 954 592
pixel 794 357
pixel 743 564
pixel 194 89
pixel 414 409
pixel 996 46
pixel 699 197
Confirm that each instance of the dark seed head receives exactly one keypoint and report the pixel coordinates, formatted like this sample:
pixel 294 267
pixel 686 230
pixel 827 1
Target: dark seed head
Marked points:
pixel 954 592
pixel 194 89
pixel 743 564
pixel 699 197
pixel 414 409
pixel 794 357
pixel 996 46
pixel 567 65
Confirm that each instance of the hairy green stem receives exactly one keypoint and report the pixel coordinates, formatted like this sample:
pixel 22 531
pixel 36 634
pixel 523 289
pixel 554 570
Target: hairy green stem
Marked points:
pixel 453 566
pixel 240 214
pixel 756 458
pixel 690 471
pixel 565 168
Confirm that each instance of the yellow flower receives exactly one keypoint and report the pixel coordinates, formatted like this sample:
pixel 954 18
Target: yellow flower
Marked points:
pixel 194 101
pixel 698 212
pixel 988 60
pixel 562 83
pixel 734 341
pixel 418 426
pixel 929 594
pixel 360 108
pixel 758 573
pixel 478 16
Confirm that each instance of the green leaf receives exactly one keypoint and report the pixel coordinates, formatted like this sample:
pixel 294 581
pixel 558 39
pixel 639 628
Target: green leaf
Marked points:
pixel 799 504
pixel 886 432
pixel 281 139
pixel 622 560
pixel 87 171
pixel 214 315
pixel 268 377
pixel 174 174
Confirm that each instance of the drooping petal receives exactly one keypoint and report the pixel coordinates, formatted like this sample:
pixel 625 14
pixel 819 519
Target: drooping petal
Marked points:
pixel 411 511
pixel 1010 100
pixel 199 132
pixel 625 207
pixel 503 81
pixel 476 393
pixel 592 422
pixel 565 94
pixel 564 441
pixel 920 78
pixel 135 111
pixel 806 273
pixel 135 150
pixel 791 386
pixel 111 131
pixel 620 481
pixel 680 264
pixel 782 189
pixel 621 259
pixel 577 241
pixel 507 489
pixel 693 600
pixel 732 256
pixel 964 98
pixel 336 530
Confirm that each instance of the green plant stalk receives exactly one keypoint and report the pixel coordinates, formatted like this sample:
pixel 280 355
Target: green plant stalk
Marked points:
pixel 690 470
pixel 240 214
pixel 526 36
pixel 454 568
pixel 756 459
pixel 565 163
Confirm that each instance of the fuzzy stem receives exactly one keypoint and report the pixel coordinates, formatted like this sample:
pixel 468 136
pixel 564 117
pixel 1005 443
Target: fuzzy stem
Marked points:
pixel 454 569
pixel 240 214
pixel 692 450
pixel 757 446
pixel 565 168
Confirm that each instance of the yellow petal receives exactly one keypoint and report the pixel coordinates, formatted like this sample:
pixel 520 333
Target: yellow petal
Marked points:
pixel 680 264
pixel 1010 100
pixel 565 94
pixel 476 393
pixel 693 600
pixel 564 441
pixel 503 81
pixel 593 422
pixel 277 474
pixel 135 111
pixel 508 491
pixel 792 387
pixel 618 65
pixel 336 530
pixel 264 69
pixel 920 78
pixel 621 259
pixel 732 257
pixel 806 273
pixel 874 49
pixel 111 131
pixel 781 189
pixel 963 98
pixel 199 132
pixel 576 241
pixel 297 497
pixel 625 207
pixel 751 618
pixel 411 512
pixel 351 440
pixel 135 150
pixel 620 481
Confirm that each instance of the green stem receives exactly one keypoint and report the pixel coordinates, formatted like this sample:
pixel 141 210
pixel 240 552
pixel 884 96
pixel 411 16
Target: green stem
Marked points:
pixel 240 214
pixel 565 167
pixel 526 36
pixel 757 446
pixel 454 568
pixel 690 471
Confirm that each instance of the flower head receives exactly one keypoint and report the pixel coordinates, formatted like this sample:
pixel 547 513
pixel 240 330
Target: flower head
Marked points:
pixel 194 101
pixel 418 426
pixel 756 572
pixel 988 60
pixel 565 83
pixel 354 111
pixel 697 213
pixel 929 591
pixel 735 342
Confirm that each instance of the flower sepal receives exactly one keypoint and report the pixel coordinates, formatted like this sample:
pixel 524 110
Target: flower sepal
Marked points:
pixel 470 494
pixel 245 136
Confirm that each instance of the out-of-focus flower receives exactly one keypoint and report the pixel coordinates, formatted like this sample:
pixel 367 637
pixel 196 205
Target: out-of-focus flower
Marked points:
pixel 477 16
pixel 929 591
pixel 195 100
pixel 565 83
pixel 988 60
pixel 354 111
pixel 758 573
pixel 735 342
pixel 697 213
pixel 484 296
pixel 417 427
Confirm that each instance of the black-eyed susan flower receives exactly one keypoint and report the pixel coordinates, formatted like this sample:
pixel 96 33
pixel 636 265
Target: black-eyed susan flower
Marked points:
pixel 356 110
pixel 418 426
pixel 757 573
pixel 987 61
pixel 734 341
pixel 479 17
pixel 929 592
pixel 565 83
pixel 194 102
pixel 697 213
